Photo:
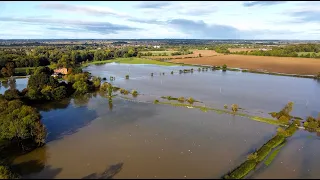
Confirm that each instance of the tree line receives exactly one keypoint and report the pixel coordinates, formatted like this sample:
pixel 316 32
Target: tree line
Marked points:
pixel 306 51
pixel 59 56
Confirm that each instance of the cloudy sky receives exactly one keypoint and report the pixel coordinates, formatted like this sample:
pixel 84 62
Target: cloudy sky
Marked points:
pixel 160 19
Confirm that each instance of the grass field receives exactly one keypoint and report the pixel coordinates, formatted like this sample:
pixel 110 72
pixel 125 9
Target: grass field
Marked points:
pixel 131 61
pixel 288 65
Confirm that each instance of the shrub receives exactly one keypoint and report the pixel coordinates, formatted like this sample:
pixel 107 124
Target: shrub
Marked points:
pixel 284 119
pixel 180 71
pixel 225 106
pixel 151 74
pixel 252 156
pixel 190 100
pixel 162 73
pixel 104 78
pixel 127 76
pixel 199 69
pixel 263 152
pixel 234 107
pixel 242 170
pixel 224 67
pixel 318 75
pixel 59 93
pixel 134 93
pixel 115 88
pixel 12 94
pixel 104 86
pixel 156 101
pixel 6 173
pixel 171 72
pixel 181 99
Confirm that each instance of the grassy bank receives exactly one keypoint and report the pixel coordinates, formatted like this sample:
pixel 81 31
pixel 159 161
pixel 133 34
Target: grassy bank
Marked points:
pixel 224 111
pixel 255 158
pixel 131 61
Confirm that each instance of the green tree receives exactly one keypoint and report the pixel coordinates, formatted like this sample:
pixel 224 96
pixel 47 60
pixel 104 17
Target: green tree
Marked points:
pixel 20 122
pixel 59 93
pixel 12 94
pixel 81 87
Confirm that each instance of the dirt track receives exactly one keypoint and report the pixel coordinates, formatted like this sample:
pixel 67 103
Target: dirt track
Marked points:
pixel 303 66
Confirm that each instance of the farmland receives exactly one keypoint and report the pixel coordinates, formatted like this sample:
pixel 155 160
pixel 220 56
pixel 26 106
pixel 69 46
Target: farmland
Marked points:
pixel 289 65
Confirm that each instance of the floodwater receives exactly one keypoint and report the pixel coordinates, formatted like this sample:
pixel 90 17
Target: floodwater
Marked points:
pixel 20 84
pixel 298 159
pixel 140 140
pixel 258 92
pixel 89 139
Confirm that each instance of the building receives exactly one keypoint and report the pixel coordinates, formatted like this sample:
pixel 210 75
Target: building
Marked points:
pixel 63 71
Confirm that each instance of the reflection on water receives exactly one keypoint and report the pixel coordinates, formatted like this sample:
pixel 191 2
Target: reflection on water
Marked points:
pixel 144 139
pixel 20 84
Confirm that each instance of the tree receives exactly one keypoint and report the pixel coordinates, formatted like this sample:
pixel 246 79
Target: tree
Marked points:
pixel 224 67
pixel 59 93
pixel 12 94
pixel 96 82
pixel 81 87
pixel 8 70
pixel 234 107
pixel 20 122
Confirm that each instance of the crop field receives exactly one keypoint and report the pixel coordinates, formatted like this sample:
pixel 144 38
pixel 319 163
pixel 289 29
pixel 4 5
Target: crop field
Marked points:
pixel 289 65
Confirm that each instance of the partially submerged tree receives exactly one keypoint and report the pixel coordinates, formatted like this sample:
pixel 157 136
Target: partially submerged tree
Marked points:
pixel 234 107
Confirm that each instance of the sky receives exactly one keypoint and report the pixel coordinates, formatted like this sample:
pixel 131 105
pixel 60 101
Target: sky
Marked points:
pixel 296 20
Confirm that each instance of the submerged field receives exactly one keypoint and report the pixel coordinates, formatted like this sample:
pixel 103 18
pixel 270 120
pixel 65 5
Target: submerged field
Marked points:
pixel 135 138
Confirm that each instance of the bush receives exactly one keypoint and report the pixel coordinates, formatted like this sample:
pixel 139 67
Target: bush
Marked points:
pixel 252 156
pixel 225 106
pixel 59 93
pixel 134 93
pixel 181 99
pixel 151 74
pixel 127 76
pixel 318 75
pixel 104 78
pixel 104 86
pixel 156 101
pixel 6 173
pixel 242 170
pixel 224 67
pixel 190 100
pixel 11 94
pixel 234 107
pixel 263 153
pixel 171 72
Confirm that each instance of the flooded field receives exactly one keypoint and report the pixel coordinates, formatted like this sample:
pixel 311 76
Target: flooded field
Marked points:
pixel 140 140
pixel 254 92
pixel 89 138
pixel 299 158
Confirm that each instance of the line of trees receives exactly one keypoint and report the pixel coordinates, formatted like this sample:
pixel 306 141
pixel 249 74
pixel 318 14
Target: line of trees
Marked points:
pixel 305 50
pixel 61 56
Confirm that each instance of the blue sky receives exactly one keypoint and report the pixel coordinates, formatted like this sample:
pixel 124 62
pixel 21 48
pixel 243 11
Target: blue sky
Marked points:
pixel 160 19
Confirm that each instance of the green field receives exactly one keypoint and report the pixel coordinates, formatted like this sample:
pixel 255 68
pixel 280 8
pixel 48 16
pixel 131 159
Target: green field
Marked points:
pixel 156 53
pixel 131 61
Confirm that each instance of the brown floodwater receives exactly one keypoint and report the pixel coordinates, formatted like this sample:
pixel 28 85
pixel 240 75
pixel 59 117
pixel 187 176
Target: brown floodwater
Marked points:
pixel 140 140
pixel 298 159
pixel 88 139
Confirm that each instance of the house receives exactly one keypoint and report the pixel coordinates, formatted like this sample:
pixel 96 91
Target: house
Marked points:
pixel 156 47
pixel 63 71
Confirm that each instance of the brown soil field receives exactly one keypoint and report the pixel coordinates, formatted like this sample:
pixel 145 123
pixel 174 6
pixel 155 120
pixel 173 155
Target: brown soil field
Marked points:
pixel 204 53
pixel 288 65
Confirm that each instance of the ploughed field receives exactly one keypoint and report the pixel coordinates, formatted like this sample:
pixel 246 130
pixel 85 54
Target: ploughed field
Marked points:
pixel 131 137
pixel 288 65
